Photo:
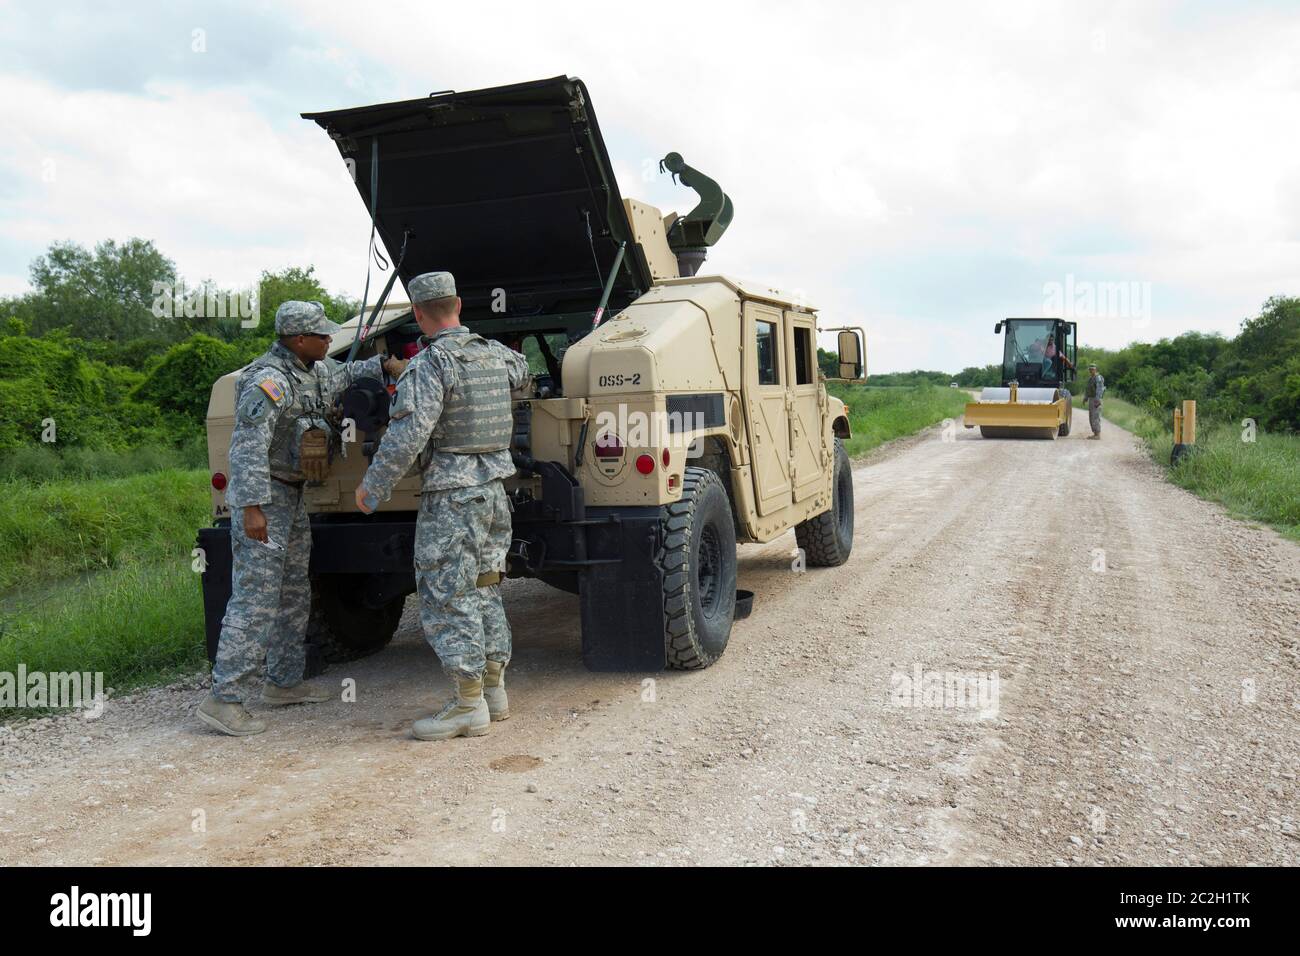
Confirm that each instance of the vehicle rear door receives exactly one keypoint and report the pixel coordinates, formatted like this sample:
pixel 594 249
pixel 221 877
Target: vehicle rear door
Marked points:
pixel 765 393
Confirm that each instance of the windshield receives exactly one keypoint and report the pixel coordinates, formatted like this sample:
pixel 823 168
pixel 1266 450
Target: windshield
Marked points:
pixel 1030 350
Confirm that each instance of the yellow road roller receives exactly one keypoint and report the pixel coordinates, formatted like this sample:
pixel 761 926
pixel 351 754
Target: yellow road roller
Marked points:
pixel 1038 365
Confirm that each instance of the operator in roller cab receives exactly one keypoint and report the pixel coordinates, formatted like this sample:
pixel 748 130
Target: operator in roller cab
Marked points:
pixel 283 438
pixel 1037 355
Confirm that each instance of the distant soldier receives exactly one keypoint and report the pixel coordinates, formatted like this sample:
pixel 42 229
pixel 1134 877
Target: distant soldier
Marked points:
pixel 281 440
pixel 452 413
pixel 1094 390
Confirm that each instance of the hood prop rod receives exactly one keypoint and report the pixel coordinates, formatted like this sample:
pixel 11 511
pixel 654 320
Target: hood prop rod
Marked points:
pixel 609 285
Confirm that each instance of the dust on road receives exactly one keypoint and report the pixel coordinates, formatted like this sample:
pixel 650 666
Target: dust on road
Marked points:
pixel 1144 713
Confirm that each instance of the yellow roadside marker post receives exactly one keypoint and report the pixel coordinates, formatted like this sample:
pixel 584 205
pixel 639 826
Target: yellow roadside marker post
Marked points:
pixel 1184 431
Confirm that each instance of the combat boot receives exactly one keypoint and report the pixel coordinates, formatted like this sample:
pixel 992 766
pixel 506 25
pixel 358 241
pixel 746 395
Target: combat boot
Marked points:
pixel 464 715
pixel 300 693
pixel 229 718
pixel 494 690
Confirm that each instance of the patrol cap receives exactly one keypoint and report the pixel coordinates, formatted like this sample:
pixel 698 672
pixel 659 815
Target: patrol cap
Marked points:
pixel 1092 366
pixel 431 285
pixel 303 318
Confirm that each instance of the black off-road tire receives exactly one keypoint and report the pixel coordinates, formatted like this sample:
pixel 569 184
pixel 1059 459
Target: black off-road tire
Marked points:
pixel 1064 430
pixel 698 560
pixel 827 538
pixel 341 628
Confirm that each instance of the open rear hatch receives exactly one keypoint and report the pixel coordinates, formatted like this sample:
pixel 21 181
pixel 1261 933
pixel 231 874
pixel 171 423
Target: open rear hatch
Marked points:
pixel 510 189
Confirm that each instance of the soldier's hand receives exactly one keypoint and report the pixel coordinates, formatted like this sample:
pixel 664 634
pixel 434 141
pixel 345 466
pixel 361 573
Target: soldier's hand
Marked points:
pixel 395 366
pixel 255 523
pixel 361 500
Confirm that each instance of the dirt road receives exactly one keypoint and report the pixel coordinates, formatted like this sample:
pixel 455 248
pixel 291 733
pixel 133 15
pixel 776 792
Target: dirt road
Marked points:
pixel 1138 654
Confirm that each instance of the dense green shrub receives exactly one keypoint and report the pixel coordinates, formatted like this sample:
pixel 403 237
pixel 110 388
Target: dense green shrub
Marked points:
pixel 45 380
pixel 182 381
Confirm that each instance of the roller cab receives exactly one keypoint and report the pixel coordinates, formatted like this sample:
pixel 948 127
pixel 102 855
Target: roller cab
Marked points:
pixel 1038 365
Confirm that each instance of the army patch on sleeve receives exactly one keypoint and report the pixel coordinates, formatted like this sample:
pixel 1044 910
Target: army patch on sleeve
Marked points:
pixel 272 390
pixel 253 408
pixel 402 404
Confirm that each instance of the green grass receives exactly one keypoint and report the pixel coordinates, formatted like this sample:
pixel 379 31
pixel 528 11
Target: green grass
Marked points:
pixel 1255 480
pixel 96 576
pixel 139 624
pixel 61 528
pixel 39 463
pixel 1127 416
pixel 880 414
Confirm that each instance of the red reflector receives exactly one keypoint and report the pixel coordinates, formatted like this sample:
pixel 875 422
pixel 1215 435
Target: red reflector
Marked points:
pixel 219 481
pixel 645 464
pixel 608 446
pixel 665 457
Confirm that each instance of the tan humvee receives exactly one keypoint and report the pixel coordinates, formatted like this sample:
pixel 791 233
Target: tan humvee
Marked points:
pixel 693 415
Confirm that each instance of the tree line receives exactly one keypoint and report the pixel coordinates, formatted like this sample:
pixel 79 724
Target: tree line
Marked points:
pixel 117 353
pixel 1255 374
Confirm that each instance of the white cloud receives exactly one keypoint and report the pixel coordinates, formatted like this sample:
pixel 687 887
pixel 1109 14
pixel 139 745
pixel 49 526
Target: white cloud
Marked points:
pixel 218 187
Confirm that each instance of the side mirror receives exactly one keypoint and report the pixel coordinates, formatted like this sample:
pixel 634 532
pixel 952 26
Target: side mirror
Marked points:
pixel 852 361
pixel 997 329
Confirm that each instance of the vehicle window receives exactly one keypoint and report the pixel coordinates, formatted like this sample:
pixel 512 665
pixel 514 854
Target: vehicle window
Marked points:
pixel 803 374
pixel 557 342
pixel 766 352
pixel 1027 345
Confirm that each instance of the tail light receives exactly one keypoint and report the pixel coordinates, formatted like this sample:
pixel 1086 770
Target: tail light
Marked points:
pixel 218 481
pixel 609 446
pixel 645 464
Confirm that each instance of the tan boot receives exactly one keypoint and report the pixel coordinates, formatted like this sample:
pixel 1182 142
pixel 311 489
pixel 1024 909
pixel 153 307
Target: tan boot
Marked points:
pixel 229 718
pixel 300 693
pixel 494 690
pixel 465 715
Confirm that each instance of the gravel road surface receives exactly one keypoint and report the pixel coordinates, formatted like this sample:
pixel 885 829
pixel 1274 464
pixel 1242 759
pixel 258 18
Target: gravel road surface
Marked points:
pixel 1039 652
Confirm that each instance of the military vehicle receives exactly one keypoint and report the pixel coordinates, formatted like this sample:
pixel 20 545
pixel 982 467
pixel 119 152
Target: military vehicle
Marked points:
pixel 1038 365
pixel 672 414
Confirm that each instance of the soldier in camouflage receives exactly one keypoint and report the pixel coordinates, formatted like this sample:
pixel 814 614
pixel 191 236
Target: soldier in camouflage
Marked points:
pixel 452 417
pixel 281 439
pixel 1094 390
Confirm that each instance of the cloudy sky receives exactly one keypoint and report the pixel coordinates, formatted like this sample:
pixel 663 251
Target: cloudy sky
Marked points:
pixel 918 169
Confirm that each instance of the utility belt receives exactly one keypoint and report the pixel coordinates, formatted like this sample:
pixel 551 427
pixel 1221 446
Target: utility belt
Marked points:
pixel 296 485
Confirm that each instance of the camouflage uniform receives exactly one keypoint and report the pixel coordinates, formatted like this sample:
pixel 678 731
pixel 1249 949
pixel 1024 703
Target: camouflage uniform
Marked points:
pixel 1093 392
pixel 463 529
pixel 277 398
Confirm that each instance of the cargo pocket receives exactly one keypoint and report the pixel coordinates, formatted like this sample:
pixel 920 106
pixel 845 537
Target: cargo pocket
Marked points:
pixel 471 498
pixel 446 562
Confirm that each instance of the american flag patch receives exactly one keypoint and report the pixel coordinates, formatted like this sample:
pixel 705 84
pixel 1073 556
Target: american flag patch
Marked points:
pixel 272 390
